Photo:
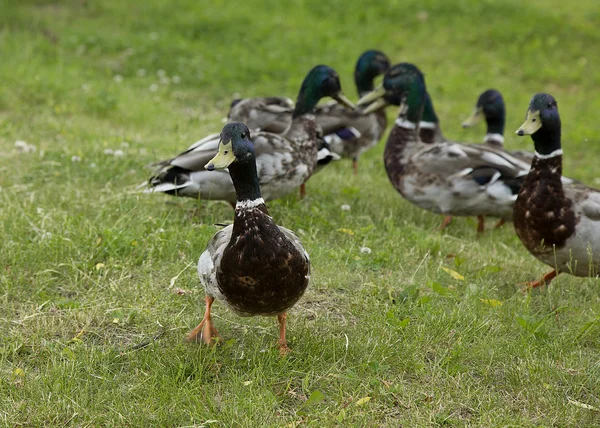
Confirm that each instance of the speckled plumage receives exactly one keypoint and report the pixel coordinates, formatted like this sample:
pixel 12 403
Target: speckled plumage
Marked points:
pixel 254 266
pixel 285 161
pixel 558 222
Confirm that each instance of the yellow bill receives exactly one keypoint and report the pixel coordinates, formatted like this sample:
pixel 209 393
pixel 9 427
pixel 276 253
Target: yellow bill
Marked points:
pixel 341 98
pixel 372 96
pixel 474 119
pixel 532 123
pixel 376 105
pixel 223 158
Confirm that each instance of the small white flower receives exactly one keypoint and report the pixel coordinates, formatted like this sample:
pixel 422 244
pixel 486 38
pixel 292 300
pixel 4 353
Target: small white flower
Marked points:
pixel 365 250
pixel 119 153
pixel 164 80
pixel 129 51
pixel 80 49
pixel 597 180
pixel 160 230
pixel 161 73
pixel 23 147
pixel 109 151
pixel 75 158
pixel 153 87
pixel 124 144
pixel 118 78
pixel 85 87
pixel 176 79
pixel 141 72
pixel 345 207
pixel 143 151
pixel 93 165
pixel 224 120
pixel 154 36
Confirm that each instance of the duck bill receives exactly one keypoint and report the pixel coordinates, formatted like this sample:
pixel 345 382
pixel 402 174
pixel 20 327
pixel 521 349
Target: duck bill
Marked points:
pixel 376 105
pixel 372 96
pixel 474 119
pixel 341 98
pixel 223 158
pixel 532 123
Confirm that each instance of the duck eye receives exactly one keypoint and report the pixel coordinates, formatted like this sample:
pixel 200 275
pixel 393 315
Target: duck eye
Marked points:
pixel 243 135
pixel 549 104
pixel 533 120
pixel 225 152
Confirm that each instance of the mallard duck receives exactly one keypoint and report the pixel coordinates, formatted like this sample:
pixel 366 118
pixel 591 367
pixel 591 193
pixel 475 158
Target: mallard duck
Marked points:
pixel 558 223
pixel 490 105
pixel 253 266
pixel 349 133
pixel 284 161
pixel 443 177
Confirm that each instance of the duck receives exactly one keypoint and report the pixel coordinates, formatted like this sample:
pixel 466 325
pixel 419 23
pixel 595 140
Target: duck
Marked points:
pixel 348 133
pixel 490 105
pixel 557 222
pixel 284 161
pixel 443 177
pixel 253 266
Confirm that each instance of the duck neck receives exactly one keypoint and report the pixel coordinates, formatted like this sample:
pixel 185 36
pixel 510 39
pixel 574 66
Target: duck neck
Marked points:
pixel 547 142
pixel 495 130
pixel 245 180
pixel 306 102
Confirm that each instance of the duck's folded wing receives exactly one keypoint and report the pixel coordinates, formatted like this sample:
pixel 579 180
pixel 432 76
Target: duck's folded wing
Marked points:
pixel 590 205
pixel 462 159
pixel 270 114
pixel 211 259
pixel 276 158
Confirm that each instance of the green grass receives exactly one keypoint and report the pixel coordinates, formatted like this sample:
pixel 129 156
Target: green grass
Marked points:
pixel 89 267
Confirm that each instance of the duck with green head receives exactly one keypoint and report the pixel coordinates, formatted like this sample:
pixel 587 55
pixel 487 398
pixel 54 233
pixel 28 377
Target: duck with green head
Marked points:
pixel 490 106
pixel 253 266
pixel 284 161
pixel 346 132
pixel 558 222
pixel 443 177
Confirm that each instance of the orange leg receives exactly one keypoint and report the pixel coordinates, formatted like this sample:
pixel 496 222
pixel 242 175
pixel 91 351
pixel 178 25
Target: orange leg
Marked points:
pixel 204 331
pixel 480 224
pixel 543 280
pixel 499 224
pixel 355 166
pixel 302 191
pixel 282 345
pixel 447 220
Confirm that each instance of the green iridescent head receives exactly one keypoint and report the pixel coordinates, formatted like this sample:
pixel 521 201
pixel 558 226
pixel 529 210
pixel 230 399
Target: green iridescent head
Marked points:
pixel 370 64
pixel 322 81
pixel 490 105
pixel 542 122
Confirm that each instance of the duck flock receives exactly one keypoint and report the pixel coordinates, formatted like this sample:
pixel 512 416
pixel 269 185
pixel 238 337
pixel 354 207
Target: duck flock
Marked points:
pixel 271 146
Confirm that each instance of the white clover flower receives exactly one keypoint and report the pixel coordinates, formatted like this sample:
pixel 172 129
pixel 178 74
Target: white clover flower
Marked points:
pixel 164 80
pixel 176 79
pixel 161 73
pixel 109 152
pixel 143 151
pixel 141 72
pixel 154 36
pixel 124 144
pixel 153 87
pixel 23 147
pixel 345 207
pixel 118 78
pixel 85 87
pixel 93 165
pixel 119 153
pixel 75 158
pixel 365 250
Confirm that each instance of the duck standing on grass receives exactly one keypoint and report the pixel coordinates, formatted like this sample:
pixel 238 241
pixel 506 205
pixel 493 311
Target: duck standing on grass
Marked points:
pixel 443 177
pixel 348 133
pixel 558 223
pixel 284 161
pixel 254 266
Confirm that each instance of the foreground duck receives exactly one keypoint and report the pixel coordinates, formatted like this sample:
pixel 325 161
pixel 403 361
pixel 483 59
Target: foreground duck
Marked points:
pixel 348 133
pixel 490 105
pixel 284 161
pixel 558 223
pixel 253 266
pixel 443 177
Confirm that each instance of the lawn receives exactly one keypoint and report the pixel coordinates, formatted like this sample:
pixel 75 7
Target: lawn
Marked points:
pixel 98 285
